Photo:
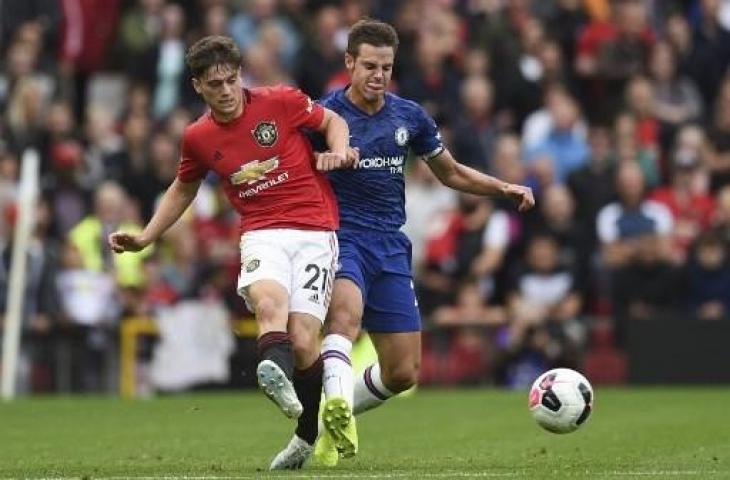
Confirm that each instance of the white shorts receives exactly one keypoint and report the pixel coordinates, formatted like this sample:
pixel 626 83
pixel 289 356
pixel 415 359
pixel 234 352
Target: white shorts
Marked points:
pixel 302 261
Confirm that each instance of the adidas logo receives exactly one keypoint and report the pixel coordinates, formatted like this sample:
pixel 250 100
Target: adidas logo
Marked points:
pixel 314 298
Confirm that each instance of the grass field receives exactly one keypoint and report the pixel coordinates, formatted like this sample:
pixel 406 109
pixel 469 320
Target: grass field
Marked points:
pixel 640 433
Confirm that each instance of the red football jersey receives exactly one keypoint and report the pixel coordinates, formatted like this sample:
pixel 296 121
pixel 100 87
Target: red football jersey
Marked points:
pixel 264 161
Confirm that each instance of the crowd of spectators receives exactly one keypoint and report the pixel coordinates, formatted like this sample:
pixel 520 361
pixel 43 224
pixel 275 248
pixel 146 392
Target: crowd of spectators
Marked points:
pixel 615 112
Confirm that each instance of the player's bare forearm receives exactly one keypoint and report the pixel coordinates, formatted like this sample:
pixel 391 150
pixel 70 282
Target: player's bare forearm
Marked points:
pixel 463 178
pixel 336 132
pixel 174 202
pixel 466 179
pixel 172 205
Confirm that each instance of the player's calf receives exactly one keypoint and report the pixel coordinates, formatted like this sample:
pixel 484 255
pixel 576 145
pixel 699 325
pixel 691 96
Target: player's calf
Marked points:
pixel 400 378
pixel 308 386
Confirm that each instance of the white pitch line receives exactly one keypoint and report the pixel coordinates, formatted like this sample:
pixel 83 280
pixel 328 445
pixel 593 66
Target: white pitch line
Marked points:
pixel 304 476
pixel 663 473
pixel 294 476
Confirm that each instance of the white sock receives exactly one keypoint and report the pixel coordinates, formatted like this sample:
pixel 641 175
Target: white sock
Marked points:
pixel 337 376
pixel 370 392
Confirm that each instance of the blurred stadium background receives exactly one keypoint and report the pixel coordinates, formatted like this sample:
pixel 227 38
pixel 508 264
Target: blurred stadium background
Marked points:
pixel 616 112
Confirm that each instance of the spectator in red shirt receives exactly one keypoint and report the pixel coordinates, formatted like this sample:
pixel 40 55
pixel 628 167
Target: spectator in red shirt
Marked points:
pixel 691 207
pixel 89 26
pixel 610 52
pixel 640 99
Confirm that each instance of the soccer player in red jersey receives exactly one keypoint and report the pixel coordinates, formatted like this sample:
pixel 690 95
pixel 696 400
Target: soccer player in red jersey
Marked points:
pixel 251 138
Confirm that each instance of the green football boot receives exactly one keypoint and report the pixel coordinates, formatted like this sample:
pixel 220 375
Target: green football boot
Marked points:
pixel 325 451
pixel 339 422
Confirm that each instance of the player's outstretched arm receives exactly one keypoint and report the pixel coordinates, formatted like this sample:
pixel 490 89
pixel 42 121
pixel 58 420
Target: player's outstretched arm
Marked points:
pixel 466 179
pixel 337 134
pixel 172 205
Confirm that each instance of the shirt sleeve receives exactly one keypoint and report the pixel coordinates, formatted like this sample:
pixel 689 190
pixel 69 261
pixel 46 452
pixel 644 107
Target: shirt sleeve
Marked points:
pixel 300 109
pixel 427 140
pixel 190 168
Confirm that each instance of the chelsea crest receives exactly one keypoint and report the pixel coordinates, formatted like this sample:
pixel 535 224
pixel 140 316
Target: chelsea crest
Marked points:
pixel 401 136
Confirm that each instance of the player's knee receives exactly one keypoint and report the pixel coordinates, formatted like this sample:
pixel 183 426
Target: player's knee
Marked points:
pixel 305 342
pixel 401 378
pixel 343 322
pixel 268 312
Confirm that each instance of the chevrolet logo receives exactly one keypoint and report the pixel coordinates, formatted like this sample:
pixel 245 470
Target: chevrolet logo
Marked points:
pixel 254 171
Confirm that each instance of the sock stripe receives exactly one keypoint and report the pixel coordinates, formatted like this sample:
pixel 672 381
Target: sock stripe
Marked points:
pixel 273 337
pixel 334 354
pixel 266 344
pixel 367 376
pixel 269 339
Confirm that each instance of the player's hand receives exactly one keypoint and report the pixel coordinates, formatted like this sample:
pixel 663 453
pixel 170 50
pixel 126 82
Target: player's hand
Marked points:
pixel 327 161
pixel 521 195
pixel 353 157
pixel 126 242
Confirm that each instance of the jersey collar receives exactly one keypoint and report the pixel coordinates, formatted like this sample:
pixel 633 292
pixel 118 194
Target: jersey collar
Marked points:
pixel 345 99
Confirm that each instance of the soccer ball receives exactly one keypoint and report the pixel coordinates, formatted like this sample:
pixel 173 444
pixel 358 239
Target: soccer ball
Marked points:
pixel 561 400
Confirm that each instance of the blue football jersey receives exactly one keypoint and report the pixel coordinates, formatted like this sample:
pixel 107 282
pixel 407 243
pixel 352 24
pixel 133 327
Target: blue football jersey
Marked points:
pixel 373 195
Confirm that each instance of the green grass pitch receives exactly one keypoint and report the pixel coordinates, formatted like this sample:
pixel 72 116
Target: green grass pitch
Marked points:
pixel 633 433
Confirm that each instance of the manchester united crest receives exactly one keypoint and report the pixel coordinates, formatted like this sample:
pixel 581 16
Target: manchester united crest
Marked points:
pixel 253 265
pixel 265 133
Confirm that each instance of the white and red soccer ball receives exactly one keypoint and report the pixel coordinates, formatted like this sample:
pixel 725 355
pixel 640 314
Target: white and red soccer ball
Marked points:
pixel 561 400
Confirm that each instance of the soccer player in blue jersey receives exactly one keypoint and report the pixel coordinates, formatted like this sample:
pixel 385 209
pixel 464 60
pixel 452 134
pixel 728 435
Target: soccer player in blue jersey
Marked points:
pixel 374 284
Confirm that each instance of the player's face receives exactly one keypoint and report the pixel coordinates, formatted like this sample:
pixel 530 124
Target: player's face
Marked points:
pixel 222 90
pixel 370 71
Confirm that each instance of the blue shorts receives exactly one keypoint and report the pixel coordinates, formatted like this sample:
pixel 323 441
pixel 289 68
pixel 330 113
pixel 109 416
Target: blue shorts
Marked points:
pixel 380 264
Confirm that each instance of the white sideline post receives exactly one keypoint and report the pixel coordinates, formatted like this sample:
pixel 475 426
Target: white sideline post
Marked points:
pixel 25 220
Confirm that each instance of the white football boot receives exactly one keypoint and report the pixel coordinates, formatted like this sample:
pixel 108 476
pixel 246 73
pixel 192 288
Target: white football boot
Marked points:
pixel 278 388
pixel 293 456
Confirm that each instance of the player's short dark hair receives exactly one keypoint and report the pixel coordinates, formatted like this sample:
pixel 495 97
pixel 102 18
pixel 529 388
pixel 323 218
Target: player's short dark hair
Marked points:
pixel 210 51
pixel 373 32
